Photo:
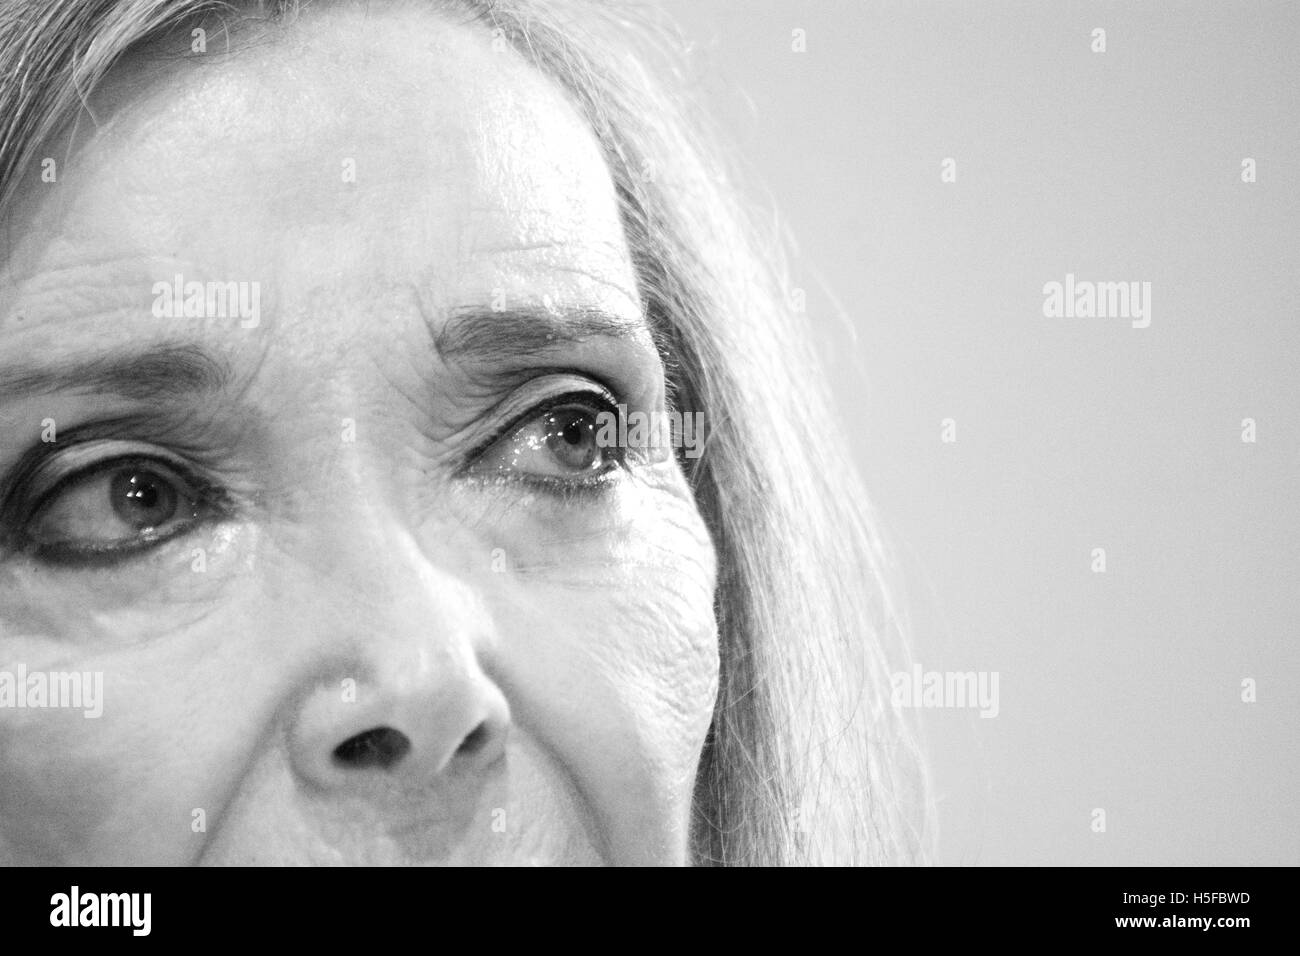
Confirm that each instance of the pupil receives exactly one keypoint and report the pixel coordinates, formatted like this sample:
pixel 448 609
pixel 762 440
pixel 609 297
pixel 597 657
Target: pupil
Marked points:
pixel 572 439
pixel 145 495
pixel 142 499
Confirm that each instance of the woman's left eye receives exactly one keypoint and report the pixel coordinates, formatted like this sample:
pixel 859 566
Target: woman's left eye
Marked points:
pixel 566 442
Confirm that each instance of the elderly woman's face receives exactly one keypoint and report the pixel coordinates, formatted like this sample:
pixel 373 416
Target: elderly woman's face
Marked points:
pixel 360 581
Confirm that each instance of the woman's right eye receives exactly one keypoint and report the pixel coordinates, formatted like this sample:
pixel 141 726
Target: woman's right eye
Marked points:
pixel 115 508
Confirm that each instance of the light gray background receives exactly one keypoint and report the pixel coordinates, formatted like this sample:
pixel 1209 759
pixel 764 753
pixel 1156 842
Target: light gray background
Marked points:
pixel 1118 690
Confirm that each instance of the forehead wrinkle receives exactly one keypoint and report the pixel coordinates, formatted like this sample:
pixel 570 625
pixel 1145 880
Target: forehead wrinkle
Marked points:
pixel 59 284
pixel 509 248
pixel 596 237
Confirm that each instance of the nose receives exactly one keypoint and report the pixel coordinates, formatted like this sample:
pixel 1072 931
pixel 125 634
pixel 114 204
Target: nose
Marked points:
pixel 400 700
pixel 410 724
pixel 385 747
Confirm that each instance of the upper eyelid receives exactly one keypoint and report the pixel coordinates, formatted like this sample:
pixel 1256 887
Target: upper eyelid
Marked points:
pixel 122 430
pixel 76 476
pixel 30 500
pixel 30 509
pixel 597 393
pixel 19 500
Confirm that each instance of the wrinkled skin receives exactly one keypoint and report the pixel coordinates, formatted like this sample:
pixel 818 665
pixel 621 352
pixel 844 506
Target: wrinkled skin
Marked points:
pixel 379 553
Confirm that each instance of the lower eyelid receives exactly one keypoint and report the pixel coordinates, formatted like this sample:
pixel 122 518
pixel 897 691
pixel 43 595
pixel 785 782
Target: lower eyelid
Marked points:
pixel 63 554
pixel 562 488
pixel 595 399
pixel 210 503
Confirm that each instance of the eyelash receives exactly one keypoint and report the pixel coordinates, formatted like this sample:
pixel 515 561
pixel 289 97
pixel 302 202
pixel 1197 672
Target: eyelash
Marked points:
pixel 211 501
pixel 20 509
pixel 567 489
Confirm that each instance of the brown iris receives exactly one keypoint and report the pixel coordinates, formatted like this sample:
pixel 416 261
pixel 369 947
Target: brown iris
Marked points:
pixel 571 437
pixel 143 499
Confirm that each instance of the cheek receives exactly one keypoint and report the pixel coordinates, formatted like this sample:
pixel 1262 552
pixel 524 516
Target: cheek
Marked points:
pixel 54 777
pixel 169 590
pixel 92 774
pixel 609 645
pixel 166 643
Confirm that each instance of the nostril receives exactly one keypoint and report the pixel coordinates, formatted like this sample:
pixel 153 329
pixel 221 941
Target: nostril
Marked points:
pixel 474 741
pixel 378 747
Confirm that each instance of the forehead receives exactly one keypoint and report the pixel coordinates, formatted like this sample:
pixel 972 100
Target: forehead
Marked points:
pixel 347 147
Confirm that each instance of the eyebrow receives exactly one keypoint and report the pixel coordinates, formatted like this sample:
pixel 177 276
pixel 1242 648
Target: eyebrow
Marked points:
pixel 490 336
pixel 160 373
pixel 472 334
